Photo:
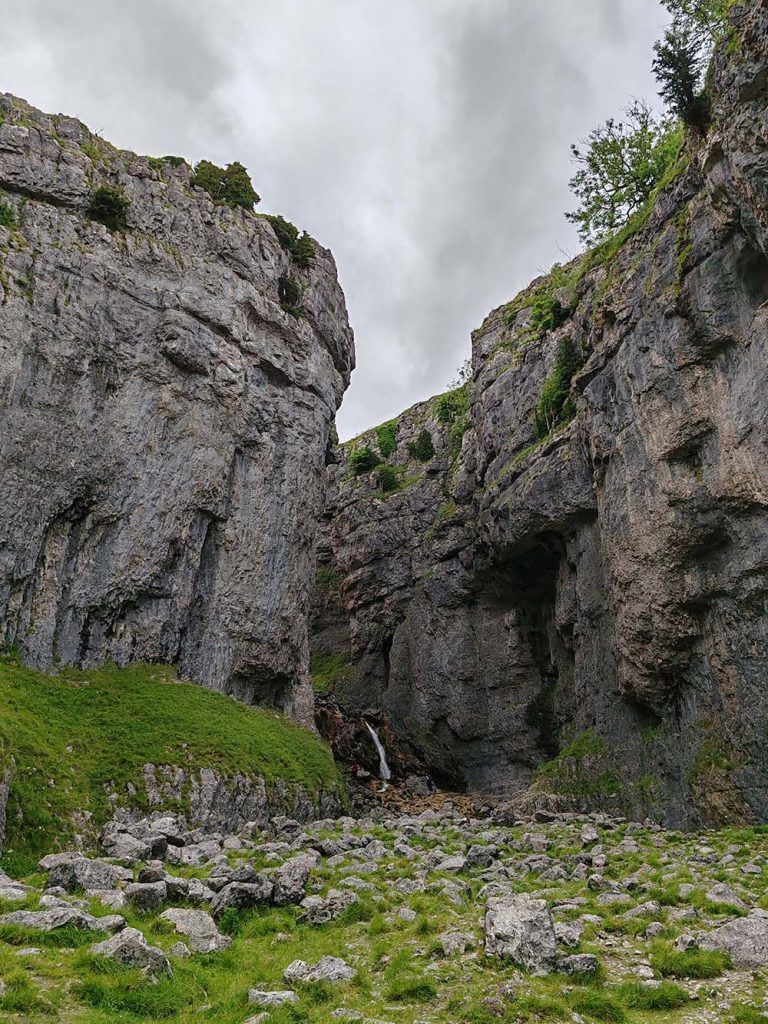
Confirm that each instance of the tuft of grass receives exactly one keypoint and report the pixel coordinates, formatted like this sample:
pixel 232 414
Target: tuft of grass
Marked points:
pixel 667 996
pixel 412 990
pixel 689 963
pixel 79 736
pixel 598 1006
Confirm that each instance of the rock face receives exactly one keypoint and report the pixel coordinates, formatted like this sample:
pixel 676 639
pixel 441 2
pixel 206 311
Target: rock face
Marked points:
pixel 586 612
pixel 163 420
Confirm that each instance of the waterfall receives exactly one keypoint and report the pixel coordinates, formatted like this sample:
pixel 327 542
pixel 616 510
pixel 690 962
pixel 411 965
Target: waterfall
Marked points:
pixel 384 771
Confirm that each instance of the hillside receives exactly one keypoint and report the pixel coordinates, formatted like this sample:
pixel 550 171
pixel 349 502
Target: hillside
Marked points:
pixel 79 746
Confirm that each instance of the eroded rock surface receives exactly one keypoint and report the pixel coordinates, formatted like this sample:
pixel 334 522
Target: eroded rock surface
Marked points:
pixel 594 600
pixel 163 421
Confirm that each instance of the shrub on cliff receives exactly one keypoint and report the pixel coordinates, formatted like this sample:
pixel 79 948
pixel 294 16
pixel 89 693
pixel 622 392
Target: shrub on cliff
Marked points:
pixel 422 448
pixel 363 460
pixel 555 406
pixel 386 437
pixel 7 219
pixel 289 292
pixel 110 206
pixel 387 478
pixel 301 247
pixel 227 186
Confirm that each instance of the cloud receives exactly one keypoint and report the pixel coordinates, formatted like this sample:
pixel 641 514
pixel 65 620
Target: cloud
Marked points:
pixel 426 143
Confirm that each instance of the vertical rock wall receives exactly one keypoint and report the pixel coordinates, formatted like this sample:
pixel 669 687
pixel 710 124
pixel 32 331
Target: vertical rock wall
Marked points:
pixel 163 420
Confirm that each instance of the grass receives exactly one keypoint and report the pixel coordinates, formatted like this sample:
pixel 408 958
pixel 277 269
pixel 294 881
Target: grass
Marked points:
pixel 328 669
pixel 668 996
pixel 689 963
pixel 78 736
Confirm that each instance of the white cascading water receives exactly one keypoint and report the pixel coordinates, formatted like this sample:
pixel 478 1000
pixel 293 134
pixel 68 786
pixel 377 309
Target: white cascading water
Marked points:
pixel 384 771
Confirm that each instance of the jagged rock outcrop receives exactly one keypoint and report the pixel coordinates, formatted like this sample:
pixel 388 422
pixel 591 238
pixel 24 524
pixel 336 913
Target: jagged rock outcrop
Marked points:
pixel 588 612
pixel 163 420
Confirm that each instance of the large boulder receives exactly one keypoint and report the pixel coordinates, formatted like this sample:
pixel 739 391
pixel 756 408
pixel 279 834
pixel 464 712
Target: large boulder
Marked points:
pixel 521 929
pixel 76 873
pixel 328 968
pixel 131 948
pixel 291 880
pixel 200 929
pixel 241 895
pixel 60 916
pixel 745 940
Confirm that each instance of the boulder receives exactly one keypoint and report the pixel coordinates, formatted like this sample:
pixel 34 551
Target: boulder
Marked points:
pixel 147 896
pixel 76 873
pixel 579 964
pixel 257 997
pixel 199 928
pixel 241 895
pixel 59 917
pixel 745 940
pixel 521 928
pixel 131 948
pixel 319 910
pixel 328 968
pixel 291 880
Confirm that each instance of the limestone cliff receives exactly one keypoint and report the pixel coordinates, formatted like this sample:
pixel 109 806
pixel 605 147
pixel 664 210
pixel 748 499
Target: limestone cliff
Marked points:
pixel 586 612
pixel 163 419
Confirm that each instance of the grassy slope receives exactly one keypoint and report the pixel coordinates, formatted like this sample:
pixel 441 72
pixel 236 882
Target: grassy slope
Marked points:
pixel 79 735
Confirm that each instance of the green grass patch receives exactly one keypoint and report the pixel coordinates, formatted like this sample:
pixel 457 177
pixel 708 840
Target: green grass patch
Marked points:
pixel 667 996
pixel 328 669
pixel 78 736
pixel 689 963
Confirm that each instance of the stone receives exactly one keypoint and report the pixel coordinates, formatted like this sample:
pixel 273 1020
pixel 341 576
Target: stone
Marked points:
pixel 745 940
pixel 199 928
pixel 455 943
pixel 290 880
pixel 258 997
pixel 569 933
pixel 78 873
pixel 521 928
pixel 131 948
pixel 146 896
pixel 58 917
pixel 579 963
pixel 242 895
pixel 328 968
pixel 319 910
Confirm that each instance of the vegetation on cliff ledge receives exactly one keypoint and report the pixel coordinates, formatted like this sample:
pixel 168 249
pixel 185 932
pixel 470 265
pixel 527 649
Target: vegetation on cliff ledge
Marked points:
pixel 80 735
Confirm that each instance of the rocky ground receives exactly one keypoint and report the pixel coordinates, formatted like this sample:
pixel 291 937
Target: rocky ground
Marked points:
pixel 405 917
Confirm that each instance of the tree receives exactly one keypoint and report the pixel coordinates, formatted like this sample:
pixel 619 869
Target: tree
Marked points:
pixel 555 406
pixel 621 164
pixel 706 19
pixel 304 250
pixel 363 460
pixel 230 186
pixel 679 68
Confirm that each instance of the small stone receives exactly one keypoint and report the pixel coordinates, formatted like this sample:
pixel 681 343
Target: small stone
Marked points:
pixel 328 968
pixel 257 997
pixel 579 963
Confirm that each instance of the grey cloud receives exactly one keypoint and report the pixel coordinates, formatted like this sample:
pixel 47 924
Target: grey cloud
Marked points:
pixel 427 143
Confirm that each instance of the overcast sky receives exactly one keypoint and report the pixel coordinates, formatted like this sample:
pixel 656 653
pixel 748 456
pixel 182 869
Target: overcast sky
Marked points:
pixel 426 142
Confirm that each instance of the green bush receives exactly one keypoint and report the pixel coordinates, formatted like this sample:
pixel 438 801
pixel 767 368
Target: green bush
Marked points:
pixel 363 460
pixel 388 479
pixel 289 292
pixel 386 436
pixel 7 218
pixel 422 448
pixel 555 406
pixel 110 206
pixel 158 162
pixel 547 314
pixel 304 251
pixel 301 247
pixel 230 186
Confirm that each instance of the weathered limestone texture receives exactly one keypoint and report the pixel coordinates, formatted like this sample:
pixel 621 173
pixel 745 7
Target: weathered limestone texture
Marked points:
pixel 163 421
pixel 587 613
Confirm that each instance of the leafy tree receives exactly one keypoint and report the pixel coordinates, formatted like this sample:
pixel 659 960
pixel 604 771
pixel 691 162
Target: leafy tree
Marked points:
pixel 110 206
pixel 706 19
pixel 422 448
pixel 363 460
pixel 620 166
pixel 555 405
pixel 230 186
